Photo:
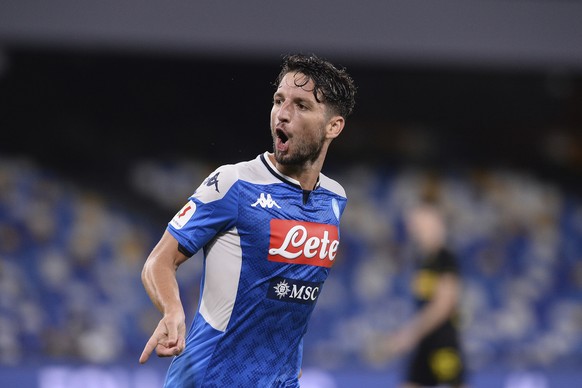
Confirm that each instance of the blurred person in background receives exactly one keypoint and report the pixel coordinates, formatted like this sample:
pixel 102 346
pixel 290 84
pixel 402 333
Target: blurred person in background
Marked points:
pixel 432 333
pixel 269 229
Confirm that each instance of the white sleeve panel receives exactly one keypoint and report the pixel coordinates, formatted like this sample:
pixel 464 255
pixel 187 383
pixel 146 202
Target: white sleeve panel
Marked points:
pixel 222 274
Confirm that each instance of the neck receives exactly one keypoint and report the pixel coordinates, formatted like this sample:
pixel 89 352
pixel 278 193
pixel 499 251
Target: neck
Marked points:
pixel 306 174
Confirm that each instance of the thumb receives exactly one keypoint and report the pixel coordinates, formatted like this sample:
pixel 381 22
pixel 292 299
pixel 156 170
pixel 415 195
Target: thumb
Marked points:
pixel 172 334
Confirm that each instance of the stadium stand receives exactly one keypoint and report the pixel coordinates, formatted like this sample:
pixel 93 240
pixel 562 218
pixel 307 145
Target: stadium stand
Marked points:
pixel 70 262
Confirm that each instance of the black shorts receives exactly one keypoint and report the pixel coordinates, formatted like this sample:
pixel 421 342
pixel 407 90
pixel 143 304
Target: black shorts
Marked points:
pixel 437 360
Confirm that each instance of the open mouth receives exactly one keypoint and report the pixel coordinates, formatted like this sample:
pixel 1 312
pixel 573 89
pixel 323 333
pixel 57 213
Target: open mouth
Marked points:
pixel 282 142
pixel 282 136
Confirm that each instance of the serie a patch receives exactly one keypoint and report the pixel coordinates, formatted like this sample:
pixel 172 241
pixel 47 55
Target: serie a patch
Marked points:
pixel 292 290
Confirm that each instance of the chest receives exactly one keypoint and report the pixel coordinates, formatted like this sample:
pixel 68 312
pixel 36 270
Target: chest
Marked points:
pixel 277 225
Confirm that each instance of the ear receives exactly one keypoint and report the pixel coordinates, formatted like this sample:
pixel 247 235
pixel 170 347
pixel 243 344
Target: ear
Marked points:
pixel 335 125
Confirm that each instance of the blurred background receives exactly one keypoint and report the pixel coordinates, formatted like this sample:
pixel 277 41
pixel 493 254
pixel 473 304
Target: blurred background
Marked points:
pixel 112 113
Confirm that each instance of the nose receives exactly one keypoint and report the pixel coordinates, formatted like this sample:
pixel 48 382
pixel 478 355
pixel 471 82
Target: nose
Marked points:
pixel 284 112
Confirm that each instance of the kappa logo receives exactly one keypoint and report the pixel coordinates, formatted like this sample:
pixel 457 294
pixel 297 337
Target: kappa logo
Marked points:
pixel 213 181
pixel 267 201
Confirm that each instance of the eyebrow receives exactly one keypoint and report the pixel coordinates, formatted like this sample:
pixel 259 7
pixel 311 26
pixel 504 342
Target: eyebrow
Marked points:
pixel 297 99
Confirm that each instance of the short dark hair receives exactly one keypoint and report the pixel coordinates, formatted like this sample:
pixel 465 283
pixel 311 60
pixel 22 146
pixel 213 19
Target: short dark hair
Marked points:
pixel 334 85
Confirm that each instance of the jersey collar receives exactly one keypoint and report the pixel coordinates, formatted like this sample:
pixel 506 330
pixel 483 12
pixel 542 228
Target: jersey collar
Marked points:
pixel 287 179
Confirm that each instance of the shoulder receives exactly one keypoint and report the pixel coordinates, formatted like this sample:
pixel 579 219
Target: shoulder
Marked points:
pixel 258 171
pixel 327 183
pixel 216 184
pixel 224 178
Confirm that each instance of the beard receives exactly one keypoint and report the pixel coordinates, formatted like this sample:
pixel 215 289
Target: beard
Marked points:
pixel 305 151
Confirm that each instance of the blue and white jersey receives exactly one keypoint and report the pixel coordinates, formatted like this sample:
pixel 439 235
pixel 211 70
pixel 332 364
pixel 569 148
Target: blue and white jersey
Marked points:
pixel 268 248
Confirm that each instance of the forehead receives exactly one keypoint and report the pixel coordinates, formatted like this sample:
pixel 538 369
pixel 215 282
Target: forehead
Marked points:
pixel 294 82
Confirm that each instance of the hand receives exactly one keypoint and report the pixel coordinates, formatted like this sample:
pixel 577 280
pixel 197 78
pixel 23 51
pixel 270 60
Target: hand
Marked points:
pixel 168 338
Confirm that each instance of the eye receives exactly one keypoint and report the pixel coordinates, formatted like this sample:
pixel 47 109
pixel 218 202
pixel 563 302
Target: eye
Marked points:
pixel 302 106
pixel 277 101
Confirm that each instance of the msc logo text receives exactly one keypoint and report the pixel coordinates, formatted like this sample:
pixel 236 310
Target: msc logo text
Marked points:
pixel 291 290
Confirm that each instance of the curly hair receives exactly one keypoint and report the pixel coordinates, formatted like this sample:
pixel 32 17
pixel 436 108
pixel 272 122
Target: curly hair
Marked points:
pixel 334 86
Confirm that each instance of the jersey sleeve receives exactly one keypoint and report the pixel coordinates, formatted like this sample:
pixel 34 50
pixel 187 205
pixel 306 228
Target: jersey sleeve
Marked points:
pixel 212 209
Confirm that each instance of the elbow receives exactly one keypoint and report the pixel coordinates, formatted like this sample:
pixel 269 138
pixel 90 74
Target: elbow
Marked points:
pixel 145 272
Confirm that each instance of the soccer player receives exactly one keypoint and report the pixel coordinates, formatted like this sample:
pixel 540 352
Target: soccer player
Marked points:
pixel 269 229
pixel 432 333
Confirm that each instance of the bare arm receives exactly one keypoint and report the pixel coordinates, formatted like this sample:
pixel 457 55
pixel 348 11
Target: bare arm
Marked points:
pixel 159 280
